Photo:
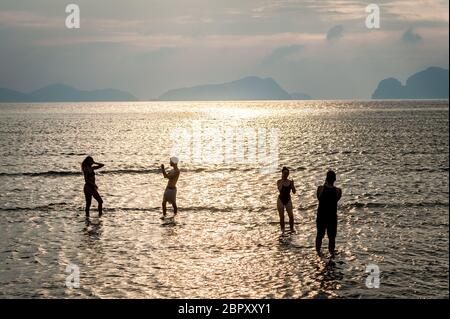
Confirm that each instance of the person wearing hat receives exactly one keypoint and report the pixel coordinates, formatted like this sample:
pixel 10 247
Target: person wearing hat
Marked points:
pixel 328 196
pixel 170 193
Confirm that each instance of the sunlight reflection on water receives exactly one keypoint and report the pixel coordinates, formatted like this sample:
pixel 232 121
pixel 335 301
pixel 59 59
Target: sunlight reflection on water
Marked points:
pixel 391 159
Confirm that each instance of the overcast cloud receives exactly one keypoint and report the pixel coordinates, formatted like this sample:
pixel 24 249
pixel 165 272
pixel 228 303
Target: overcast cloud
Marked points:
pixel 147 47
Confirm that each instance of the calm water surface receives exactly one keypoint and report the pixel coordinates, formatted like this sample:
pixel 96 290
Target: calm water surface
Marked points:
pixel 391 158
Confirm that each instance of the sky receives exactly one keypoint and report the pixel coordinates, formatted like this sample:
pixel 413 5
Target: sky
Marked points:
pixel 318 47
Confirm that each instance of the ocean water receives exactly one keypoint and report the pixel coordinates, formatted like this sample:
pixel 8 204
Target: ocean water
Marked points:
pixel 391 160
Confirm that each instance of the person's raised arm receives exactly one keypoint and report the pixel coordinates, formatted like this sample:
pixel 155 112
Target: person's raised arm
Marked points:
pixel 319 191
pixel 97 165
pixel 164 171
pixel 339 193
pixel 293 187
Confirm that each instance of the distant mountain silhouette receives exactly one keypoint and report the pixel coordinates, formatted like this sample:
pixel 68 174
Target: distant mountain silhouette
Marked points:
pixel 64 93
pixel 7 95
pixel 249 88
pixel 300 96
pixel 431 83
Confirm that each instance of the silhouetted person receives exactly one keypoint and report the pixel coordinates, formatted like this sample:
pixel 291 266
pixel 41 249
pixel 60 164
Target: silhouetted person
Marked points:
pixel 285 186
pixel 90 188
pixel 328 196
pixel 170 193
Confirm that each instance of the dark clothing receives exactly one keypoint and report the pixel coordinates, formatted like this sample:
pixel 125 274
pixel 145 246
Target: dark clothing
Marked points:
pixel 89 176
pixel 285 194
pixel 327 211
pixel 330 227
pixel 327 216
pixel 90 188
pixel 91 191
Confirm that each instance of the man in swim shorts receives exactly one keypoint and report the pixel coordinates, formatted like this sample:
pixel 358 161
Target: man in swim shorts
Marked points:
pixel 170 193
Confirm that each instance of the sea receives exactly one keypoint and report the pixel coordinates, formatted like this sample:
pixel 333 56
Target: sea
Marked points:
pixel 391 159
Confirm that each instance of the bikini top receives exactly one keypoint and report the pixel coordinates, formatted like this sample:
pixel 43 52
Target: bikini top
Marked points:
pixel 89 175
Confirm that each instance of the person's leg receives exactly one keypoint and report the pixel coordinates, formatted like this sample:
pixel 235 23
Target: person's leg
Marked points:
pixel 174 202
pixel 88 197
pixel 99 200
pixel 164 207
pixel 164 203
pixel 331 245
pixel 280 208
pixel 319 236
pixel 175 208
pixel 290 212
pixel 331 233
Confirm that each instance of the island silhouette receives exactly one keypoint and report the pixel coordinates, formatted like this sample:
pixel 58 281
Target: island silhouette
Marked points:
pixel 431 83
pixel 64 93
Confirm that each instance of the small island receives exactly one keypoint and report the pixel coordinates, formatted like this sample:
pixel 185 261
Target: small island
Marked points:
pixel 64 93
pixel 431 83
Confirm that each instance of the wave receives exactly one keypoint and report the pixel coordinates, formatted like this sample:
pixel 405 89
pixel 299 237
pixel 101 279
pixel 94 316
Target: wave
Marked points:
pixel 429 170
pixel 127 171
pixel 51 206
pixel 77 173
pixel 139 171
pixel 395 205
pixel 227 209
pixel 68 206
pixel 49 173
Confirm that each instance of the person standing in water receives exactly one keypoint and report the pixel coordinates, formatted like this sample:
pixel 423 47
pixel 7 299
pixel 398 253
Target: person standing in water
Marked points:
pixel 328 196
pixel 285 186
pixel 90 188
pixel 170 193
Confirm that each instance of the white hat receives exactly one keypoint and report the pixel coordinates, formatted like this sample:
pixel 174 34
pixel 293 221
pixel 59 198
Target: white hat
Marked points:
pixel 174 159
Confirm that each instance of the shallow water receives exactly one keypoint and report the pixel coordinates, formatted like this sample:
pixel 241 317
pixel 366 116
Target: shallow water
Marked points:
pixel 391 159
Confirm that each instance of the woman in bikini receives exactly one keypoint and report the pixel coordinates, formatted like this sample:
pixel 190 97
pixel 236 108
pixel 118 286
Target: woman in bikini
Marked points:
pixel 285 186
pixel 90 188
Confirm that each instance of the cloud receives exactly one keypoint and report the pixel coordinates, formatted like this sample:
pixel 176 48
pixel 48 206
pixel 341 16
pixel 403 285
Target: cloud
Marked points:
pixel 135 39
pixel 150 47
pixel 338 9
pixel 26 19
pixel 418 10
pixel 155 55
pixel 335 32
pixel 156 41
pixel 423 11
pixel 411 37
pixel 281 53
pixel 341 10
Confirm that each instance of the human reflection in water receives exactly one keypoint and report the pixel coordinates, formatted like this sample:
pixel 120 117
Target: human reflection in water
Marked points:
pixel 328 196
pixel 91 253
pixel 328 277
pixel 93 230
